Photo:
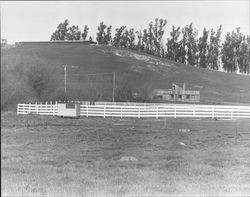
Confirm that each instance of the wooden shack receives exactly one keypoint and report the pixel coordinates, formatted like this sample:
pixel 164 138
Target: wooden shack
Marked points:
pixel 178 93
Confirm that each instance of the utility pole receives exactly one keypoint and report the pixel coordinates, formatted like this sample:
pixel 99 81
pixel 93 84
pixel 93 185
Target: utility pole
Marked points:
pixel 65 78
pixel 113 87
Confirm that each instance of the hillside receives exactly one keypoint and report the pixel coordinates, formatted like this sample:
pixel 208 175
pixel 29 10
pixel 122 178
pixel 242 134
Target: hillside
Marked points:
pixel 134 72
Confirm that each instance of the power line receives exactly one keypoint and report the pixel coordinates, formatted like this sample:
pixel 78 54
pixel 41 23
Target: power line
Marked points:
pixel 100 74
pixel 79 74
pixel 93 74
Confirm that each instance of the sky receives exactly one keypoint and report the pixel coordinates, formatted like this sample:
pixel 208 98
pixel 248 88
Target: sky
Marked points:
pixel 37 20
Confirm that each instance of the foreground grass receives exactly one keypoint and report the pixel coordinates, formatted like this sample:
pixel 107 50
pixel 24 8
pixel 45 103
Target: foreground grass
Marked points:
pixel 49 156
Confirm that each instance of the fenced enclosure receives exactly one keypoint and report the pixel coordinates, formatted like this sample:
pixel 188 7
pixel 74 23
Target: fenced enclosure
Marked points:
pixel 143 110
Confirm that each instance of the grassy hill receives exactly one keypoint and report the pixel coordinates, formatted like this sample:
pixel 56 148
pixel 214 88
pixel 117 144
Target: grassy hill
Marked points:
pixel 27 68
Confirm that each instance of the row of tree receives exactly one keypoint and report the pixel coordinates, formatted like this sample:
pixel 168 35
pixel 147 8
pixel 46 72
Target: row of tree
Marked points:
pixel 183 45
pixel 66 32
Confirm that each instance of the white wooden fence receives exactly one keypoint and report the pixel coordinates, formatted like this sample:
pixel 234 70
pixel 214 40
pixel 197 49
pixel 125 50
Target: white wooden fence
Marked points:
pixel 160 111
pixel 144 111
pixel 41 109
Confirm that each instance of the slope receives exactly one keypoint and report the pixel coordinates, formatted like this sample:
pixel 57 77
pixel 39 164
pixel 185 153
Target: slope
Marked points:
pixel 134 70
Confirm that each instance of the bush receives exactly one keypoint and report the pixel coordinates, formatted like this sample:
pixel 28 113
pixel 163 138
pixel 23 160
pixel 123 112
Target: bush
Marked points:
pixel 26 79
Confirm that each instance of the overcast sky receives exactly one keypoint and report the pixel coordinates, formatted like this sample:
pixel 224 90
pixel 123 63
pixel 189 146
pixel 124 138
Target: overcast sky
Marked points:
pixel 34 21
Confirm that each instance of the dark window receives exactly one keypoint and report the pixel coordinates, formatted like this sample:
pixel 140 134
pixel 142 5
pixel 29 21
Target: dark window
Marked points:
pixel 159 97
pixel 188 96
pixel 70 105
pixel 172 96
pixel 179 96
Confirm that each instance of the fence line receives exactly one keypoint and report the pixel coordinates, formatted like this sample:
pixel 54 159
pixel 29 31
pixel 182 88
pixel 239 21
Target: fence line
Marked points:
pixel 143 111
pixel 41 109
pixel 194 111
pixel 146 104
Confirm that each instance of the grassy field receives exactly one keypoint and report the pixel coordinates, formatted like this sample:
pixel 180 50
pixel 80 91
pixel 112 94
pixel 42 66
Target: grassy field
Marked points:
pixel 50 156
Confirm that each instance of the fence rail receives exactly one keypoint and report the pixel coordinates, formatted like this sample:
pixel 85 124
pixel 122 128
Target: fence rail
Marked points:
pixel 144 111
pixel 191 111
pixel 41 109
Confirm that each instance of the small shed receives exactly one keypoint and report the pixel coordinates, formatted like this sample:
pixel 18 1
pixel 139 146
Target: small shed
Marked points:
pixel 68 110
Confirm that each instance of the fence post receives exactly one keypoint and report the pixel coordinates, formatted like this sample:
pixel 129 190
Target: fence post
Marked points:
pixel 121 111
pixel 104 115
pixel 157 112
pixel 36 108
pixel 87 111
pixel 46 106
pixel 139 115
pixel 174 111
pixel 231 113
pixel 29 108
pixel 213 113
pixel 17 109
pixel 56 109
pixel 51 108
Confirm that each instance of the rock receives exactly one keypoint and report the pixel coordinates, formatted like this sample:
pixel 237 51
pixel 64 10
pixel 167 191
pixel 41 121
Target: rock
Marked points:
pixel 181 143
pixel 128 158
pixel 184 130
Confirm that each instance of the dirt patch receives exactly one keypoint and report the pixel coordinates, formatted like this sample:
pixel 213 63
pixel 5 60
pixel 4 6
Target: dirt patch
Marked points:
pixel 153 64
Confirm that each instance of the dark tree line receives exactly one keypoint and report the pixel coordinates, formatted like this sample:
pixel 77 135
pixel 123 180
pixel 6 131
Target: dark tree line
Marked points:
pixel 183 45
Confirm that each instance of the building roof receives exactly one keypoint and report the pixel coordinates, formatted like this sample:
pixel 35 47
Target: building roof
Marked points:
pixel 86 42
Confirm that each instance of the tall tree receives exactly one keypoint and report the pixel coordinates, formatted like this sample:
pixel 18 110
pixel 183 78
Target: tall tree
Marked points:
pixel 231 51
pixel 128 39
pixel 108 37
pixel 131 38
pixel 85 32
pixel 145 41
pixel 244 56
pixel 64 32
pixel 151 38
pixel 202 46
pixel 214 49
pixel 73 33
pixel 158 31
pixel 61 31
pixel 118 36
pixel 101 33
pixel 190 42
pixel 183 48
pixel 173 44
pixel 125 39
pixel 228 54
pixel 139 45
